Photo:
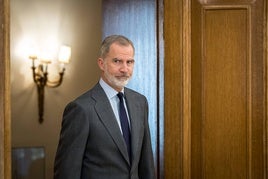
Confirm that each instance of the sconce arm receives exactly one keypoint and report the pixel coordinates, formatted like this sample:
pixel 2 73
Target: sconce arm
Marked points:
pixel 54 84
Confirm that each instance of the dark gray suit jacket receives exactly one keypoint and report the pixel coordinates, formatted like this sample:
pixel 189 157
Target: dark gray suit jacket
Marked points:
pixel 91 145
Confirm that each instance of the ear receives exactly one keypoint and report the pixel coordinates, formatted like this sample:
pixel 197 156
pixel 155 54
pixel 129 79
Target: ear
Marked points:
pixel 101 63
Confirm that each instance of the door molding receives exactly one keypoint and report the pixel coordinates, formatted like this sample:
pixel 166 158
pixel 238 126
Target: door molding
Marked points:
pixel 5 119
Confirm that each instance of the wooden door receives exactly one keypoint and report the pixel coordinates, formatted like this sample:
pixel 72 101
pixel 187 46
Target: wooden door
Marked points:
pixel 215 89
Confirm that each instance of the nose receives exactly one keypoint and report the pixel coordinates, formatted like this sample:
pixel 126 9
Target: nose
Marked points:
pixel 124 67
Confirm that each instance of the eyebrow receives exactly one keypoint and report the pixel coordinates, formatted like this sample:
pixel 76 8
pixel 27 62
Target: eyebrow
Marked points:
pixel 131 59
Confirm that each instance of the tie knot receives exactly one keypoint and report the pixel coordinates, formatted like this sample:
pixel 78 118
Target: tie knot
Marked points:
pixel 120 95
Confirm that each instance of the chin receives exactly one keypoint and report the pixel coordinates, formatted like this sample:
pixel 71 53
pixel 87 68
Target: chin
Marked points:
pixel 119 84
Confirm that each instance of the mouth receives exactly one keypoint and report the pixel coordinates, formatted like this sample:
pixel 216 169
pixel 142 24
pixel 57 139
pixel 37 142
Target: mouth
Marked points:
pixel 122 78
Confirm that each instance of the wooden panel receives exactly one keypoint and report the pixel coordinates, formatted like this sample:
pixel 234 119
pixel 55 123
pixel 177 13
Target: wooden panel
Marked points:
pixel 225 119
pixel 228 84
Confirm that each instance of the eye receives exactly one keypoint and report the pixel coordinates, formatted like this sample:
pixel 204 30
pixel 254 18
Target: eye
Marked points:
pixel 115 60
pixel 130 62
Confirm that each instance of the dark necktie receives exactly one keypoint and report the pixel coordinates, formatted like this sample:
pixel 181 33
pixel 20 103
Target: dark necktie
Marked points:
pixel 124 123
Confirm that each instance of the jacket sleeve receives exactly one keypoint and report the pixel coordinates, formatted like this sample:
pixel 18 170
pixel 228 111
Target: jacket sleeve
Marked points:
pixel 72 142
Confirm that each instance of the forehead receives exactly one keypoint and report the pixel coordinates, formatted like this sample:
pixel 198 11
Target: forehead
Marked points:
pixel 118 50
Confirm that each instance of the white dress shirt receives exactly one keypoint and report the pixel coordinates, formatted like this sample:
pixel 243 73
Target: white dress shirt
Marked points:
pixel 114 101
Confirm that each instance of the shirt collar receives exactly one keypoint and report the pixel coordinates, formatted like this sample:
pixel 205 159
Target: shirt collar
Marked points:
pixel 110 92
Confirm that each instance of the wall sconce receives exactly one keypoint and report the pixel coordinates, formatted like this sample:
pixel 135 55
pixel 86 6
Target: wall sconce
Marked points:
pixel 40 75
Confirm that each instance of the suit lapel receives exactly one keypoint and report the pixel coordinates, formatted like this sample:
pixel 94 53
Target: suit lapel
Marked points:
pixel 106 114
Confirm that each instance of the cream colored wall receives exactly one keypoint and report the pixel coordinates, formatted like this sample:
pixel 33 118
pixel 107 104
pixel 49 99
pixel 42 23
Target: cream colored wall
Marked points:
pixel 72 22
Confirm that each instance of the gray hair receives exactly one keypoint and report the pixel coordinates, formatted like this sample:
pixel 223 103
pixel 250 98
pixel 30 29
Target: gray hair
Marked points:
pixel 108 41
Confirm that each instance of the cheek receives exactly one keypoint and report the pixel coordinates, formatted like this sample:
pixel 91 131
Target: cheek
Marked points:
pixel 131 70
pixel 110 69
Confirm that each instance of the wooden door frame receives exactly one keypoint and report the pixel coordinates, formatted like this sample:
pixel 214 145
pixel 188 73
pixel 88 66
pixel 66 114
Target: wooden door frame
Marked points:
pixel 5 119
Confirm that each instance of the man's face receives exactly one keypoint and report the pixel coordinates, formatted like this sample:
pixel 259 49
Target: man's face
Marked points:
pixel 117 67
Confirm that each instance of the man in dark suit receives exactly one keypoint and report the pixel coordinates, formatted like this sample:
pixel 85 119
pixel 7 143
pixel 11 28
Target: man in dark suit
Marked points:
pixel 105 134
